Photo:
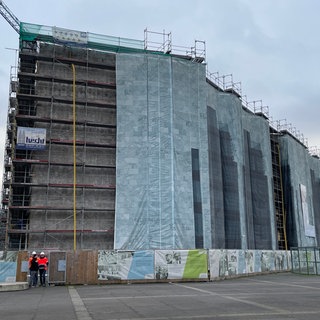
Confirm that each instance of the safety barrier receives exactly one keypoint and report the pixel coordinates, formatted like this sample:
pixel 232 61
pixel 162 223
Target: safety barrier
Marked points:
pixel 117 266
pixel 305 260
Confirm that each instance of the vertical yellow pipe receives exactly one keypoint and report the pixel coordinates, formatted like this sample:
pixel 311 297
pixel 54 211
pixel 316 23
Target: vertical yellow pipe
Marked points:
pixel 74 159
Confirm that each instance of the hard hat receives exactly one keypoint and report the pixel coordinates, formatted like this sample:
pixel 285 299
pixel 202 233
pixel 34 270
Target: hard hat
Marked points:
pixel 42 253
pixel 33 252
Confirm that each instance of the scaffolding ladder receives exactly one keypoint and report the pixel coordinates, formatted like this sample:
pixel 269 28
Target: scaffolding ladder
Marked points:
pixel 280 214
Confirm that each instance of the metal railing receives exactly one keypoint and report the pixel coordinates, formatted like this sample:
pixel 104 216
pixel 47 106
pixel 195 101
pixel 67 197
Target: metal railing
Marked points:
pixel 305 260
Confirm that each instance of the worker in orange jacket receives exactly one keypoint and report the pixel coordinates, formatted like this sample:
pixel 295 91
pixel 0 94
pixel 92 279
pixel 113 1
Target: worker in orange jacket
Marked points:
pixel 43 263
pixel 33 269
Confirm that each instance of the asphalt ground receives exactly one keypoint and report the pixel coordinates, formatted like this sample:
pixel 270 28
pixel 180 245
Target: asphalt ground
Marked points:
pixel 272 296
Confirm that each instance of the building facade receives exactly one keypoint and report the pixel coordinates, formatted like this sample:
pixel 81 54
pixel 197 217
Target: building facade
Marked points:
pixel 111 145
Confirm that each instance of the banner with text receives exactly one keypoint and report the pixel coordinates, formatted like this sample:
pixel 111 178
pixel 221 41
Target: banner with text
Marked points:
pixel 31 138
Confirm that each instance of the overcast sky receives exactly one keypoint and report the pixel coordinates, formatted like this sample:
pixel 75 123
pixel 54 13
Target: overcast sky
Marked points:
pixel 271 46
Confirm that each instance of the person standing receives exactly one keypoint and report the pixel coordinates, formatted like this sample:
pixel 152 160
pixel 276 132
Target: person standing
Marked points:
pixel 33 269
pixel 43 263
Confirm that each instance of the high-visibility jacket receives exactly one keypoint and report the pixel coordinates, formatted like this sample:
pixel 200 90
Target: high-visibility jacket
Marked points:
pixel 43 263
pixel 33 264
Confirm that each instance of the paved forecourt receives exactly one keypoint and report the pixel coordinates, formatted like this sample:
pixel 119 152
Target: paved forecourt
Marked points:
pixel 272 296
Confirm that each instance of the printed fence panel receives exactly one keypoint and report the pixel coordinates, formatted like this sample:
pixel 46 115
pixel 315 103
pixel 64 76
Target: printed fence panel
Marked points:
pixel 181 264
pixel 283 260
pixel 8 271
pixel 93 267
pixel 10 266
pixel 218 263
pixel 225 263
pixel 125 265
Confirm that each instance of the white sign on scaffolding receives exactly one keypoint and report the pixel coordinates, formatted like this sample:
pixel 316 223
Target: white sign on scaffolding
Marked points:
pixel 31 138
pixel 69 36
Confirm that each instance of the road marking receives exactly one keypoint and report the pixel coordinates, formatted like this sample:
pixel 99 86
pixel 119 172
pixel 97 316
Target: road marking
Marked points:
pixel 247 315
pixel 260 305
pixel 143 297
pixel 285 284
pixel 79 307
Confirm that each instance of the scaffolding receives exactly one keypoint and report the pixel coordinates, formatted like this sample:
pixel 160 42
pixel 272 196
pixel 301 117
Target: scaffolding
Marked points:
pixel 38 207
pixel 161 42
pixel 224 83
pixel 37 193
pixel 280 214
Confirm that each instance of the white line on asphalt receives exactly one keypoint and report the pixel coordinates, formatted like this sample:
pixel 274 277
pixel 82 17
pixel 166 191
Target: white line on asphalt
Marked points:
pixel 285 284
pixel 79 307
pixel 278 293
pixel 247 315
pixel 260 305
pixel 143 297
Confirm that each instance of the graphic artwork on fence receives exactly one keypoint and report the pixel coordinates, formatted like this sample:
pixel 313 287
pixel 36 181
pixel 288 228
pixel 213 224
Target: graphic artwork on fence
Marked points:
pixel 224 263
pixel 125 265
pixel 181 264
pixel 8 266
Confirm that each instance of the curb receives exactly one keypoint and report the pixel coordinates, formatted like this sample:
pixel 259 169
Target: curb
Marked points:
pixel 13 286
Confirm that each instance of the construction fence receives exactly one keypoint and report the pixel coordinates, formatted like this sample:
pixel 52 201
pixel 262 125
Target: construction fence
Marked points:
pixel 306 260
pixel 115 266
